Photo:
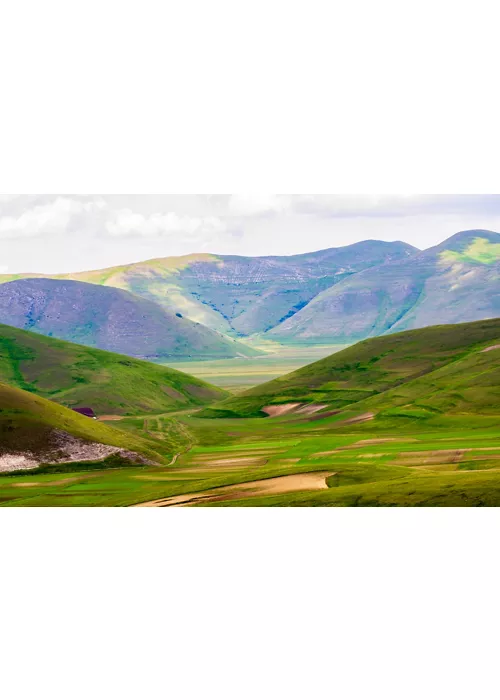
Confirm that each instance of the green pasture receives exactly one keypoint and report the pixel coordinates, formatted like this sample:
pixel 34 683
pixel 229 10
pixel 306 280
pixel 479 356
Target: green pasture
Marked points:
pixel 452 462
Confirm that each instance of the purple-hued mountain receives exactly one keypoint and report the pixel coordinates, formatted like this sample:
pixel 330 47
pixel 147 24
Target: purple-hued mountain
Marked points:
pixel 454 282
pixel 110 319
pixel 242 296
pixel 339 295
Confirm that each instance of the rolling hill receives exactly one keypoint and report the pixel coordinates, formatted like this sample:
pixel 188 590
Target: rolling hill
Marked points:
pixel 408 419
pixel 110 319
pixel 34 430
pixel 241 295
pixel 436 369
pixel 454 282
pixel 74 375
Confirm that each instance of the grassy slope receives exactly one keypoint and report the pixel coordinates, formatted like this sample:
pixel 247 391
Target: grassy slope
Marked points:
pixel 467 385
pixel 375 366
pixel 26 422
pixel 447 460
pixel 75 375
pixel 444 450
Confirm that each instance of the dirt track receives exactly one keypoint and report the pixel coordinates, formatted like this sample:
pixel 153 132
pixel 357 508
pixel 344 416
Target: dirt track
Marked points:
pixel 312 481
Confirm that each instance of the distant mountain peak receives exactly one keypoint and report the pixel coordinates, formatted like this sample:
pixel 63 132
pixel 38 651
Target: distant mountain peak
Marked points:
pixel 459 241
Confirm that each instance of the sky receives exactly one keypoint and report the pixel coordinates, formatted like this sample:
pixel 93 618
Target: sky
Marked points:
pixel 69 233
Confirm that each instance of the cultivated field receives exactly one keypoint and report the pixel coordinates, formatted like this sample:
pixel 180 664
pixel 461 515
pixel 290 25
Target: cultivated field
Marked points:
pixel 283 462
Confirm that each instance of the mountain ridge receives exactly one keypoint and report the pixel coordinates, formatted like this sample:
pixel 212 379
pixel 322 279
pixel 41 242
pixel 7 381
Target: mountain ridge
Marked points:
pixel 453 282
pixel 239 295
pixel 331 296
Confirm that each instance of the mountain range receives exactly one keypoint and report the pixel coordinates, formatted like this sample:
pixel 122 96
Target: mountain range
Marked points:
pixel 339 295
pixel 454 282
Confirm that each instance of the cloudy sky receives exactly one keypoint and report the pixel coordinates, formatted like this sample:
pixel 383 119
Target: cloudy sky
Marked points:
pixel 64 233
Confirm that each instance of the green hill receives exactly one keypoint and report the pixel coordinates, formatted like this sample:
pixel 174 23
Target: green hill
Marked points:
pixel 429 399
pixel 441 368
pixel 34 430
pixel 468 384
pixel 74 375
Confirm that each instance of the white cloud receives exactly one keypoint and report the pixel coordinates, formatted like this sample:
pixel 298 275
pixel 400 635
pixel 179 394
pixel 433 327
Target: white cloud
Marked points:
pixel 258 204
pixel 254 205
pixel 125 222
pixel 6 198
pixel 69 232
pixel 356 204
pixel 50 218
pixel 395 205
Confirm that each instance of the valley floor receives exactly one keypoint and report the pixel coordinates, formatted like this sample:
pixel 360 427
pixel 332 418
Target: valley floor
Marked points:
pixel 286 462
pixel 243 373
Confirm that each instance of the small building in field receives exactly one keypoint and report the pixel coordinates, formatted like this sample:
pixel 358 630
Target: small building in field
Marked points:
pixel 85 411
